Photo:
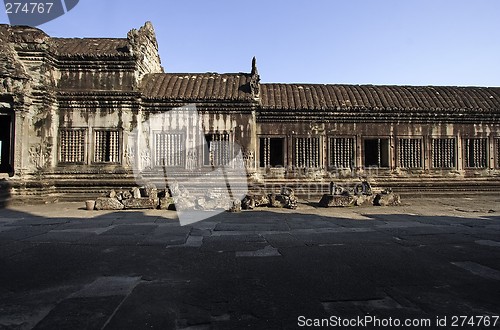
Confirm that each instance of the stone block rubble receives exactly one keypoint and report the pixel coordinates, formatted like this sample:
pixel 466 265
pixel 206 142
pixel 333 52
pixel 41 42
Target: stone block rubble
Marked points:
pixel 358 195
pixel 285 199
pixel 149 197
pixel 177 196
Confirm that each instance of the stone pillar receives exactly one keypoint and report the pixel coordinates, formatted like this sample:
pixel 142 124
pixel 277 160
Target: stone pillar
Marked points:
pixel 392 153
pixel 427 152
pixel 359 154
pixel 491 151
pixel 459 153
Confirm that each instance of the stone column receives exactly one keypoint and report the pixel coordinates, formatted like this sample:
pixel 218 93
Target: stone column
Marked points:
pixel 459 153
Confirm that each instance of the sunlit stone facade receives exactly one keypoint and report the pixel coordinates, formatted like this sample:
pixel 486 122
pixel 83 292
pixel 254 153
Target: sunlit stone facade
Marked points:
pixel 69 109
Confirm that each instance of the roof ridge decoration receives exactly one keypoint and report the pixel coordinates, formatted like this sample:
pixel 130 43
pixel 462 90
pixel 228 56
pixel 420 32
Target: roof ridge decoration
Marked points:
pixel 255 80
pixel 144 46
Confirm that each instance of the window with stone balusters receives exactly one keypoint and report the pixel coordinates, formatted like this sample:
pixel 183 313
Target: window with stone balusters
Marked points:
pixel 106 146
pixel 219 150
pixel 497 151
pixel 341 152
pixel 72 145
pixel 443 153
pixel 306 152
pixel 475 152
pixel 169 149
pixel 410 153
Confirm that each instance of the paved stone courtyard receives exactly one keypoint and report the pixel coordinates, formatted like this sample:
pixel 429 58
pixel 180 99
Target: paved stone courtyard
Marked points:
pixel 62 267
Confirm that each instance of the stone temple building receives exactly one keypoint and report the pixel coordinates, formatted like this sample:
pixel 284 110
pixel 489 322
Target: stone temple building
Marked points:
pixel 68 108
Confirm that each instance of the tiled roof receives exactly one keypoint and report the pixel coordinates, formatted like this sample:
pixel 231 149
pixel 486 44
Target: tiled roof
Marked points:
pixel 197 86
pixel 93 47
pixel 22 34
pixel 329 97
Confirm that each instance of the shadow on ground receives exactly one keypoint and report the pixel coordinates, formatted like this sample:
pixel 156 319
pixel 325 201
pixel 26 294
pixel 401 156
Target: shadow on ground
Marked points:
pixel 260 269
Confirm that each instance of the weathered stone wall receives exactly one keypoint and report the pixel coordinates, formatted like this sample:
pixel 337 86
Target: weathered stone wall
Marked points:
pixel 237 122
pixel 393 132
pixel 53 86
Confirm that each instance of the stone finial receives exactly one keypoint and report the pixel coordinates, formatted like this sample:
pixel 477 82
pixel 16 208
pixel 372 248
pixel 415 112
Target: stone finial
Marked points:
pixel 144 46
pixel 254 67
pixel 255 80
pixel 146 32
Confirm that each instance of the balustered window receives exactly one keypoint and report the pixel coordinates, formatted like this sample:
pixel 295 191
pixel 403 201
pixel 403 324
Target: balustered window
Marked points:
pixel 410 153
pixel 219 149
pixel 306 152
pixel 106 146
pixel 476 152
pixel 444 153
pixel 376 152
pixel 72 145
pixel 497 149
pixel 341 152
pixel 272 152
pixel 169 149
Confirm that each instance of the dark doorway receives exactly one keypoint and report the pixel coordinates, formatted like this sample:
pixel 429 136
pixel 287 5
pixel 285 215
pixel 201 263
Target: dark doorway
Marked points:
pixel 272 152
pixel 376 152
pixel 6 141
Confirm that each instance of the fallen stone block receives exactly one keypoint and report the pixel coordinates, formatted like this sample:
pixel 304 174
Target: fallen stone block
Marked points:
pixel 235 206
pixel 136 192
pixel 288 201
pixel 336 201
pixel 149 191
pixel 363 200
pixel 389 199
pixel 261 200
pixel 276 201
pixel 140 203
pixel 363 188
pixel 183 203
pixel 106 203
pixel 248 203
pixel 167 203
pixel 126 195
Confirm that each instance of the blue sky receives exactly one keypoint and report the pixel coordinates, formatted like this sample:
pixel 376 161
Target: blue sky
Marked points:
pixel 403 42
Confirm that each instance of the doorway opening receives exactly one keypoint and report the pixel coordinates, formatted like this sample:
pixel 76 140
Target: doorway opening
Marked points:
pixel 6 141
pixel 272 152
pixel 376 152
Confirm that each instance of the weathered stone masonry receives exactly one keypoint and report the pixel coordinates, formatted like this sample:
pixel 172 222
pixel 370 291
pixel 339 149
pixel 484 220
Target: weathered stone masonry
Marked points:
pixel 69 106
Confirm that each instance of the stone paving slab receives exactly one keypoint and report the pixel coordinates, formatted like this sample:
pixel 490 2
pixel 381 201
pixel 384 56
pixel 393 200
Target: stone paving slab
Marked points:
pixel 80 313
pixel 63 267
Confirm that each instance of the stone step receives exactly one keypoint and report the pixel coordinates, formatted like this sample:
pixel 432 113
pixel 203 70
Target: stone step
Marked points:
pixel 33 191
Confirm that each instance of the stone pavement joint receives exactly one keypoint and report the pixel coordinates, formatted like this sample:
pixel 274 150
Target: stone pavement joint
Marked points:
pixel 267 251
pixel 488 243
pixel 478 269
pixel 108 286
